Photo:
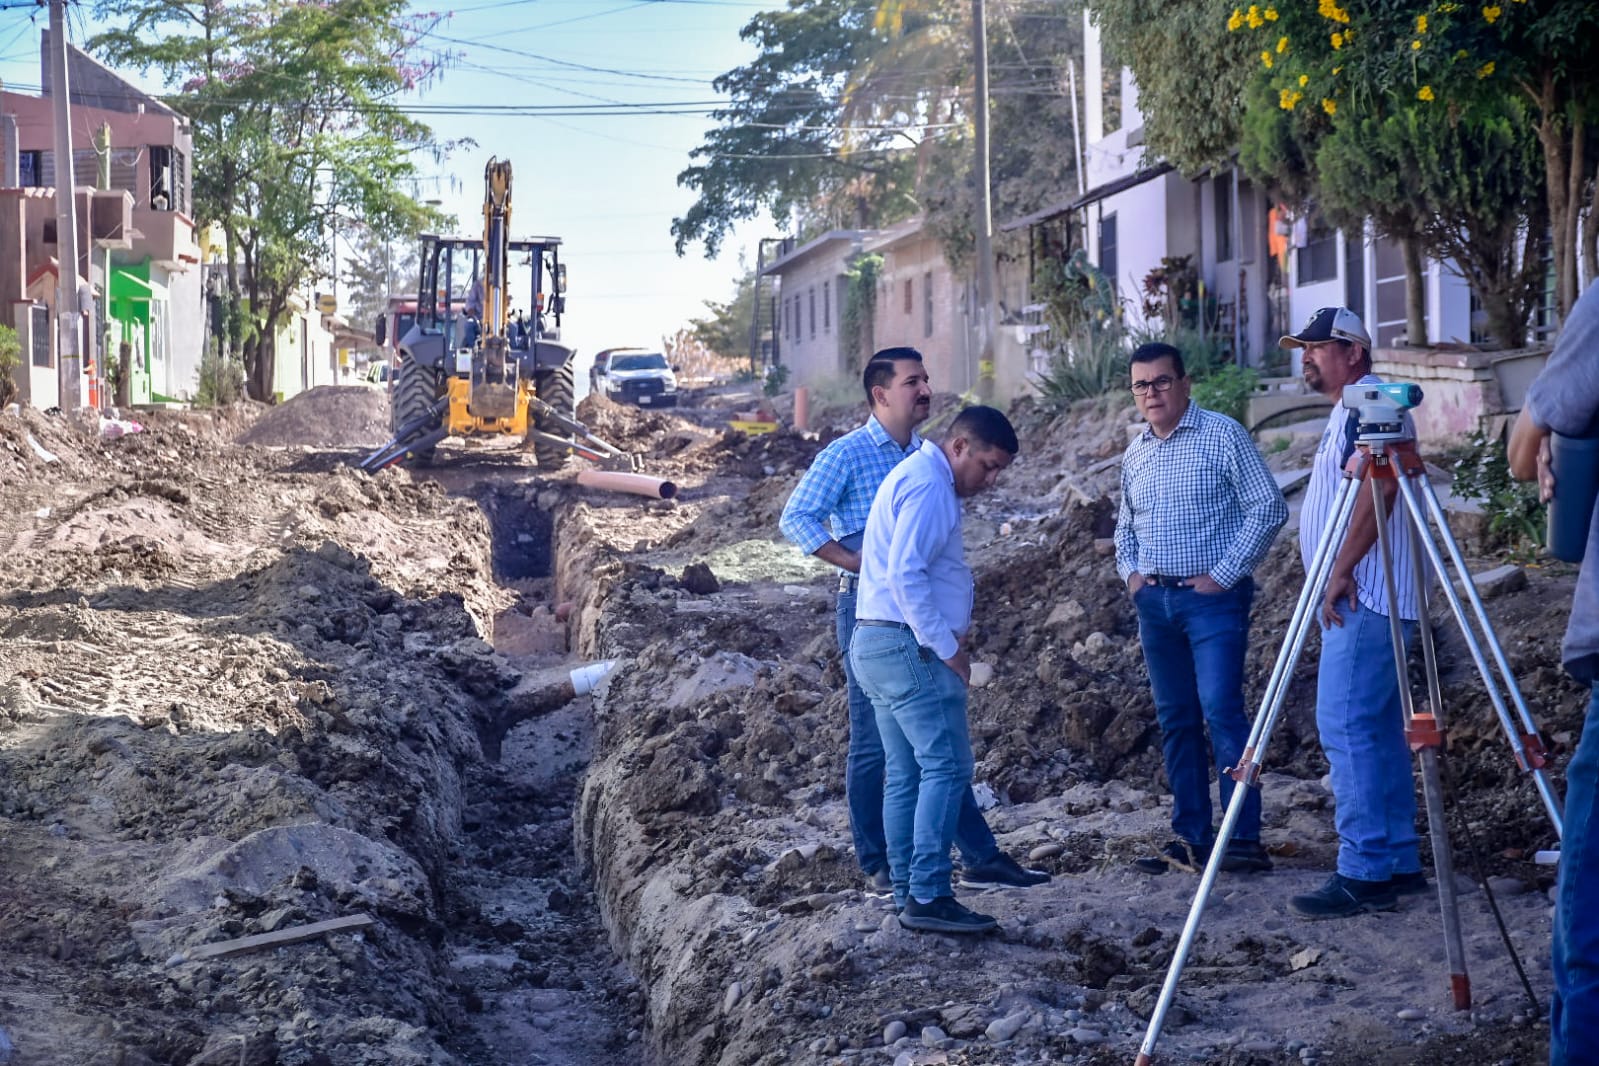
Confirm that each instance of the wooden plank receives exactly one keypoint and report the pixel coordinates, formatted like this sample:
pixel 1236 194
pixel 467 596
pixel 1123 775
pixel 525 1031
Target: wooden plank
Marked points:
pixel 277 938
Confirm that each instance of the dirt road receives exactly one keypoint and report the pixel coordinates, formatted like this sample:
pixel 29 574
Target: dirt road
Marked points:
pixel 244 688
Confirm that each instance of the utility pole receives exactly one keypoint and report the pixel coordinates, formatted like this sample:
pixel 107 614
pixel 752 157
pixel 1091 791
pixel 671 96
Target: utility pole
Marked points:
pixel 69 366
pixel 100 345
pixel 985 214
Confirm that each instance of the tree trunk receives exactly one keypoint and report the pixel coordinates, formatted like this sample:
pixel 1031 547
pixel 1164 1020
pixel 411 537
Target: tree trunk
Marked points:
pixel 1507 326
pixel 1415 294
pixel 1590 237
pixel 124 398
pixel 1551 128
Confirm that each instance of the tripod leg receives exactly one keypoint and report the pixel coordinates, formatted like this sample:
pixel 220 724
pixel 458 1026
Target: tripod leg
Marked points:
pixel 1425 727
pixel 1247 772
pixel 1531 761
pixel 1299 624
pixel 1427 739
pixel 1443 861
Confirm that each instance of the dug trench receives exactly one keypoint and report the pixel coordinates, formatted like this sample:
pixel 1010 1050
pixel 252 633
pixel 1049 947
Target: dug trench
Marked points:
pixel 246 689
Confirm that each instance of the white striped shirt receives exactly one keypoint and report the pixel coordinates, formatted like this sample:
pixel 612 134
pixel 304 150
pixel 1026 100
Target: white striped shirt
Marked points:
pixel 1326 473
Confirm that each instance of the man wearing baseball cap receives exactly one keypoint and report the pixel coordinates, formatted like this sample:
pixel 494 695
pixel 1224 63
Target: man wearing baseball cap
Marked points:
pixel 1358 710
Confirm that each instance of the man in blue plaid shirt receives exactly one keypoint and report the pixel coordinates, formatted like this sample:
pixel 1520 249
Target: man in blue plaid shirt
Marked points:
pixel 826 517
pixel 1199 511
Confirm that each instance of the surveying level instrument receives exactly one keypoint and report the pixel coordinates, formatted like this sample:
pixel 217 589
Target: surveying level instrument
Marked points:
pixel 1385 451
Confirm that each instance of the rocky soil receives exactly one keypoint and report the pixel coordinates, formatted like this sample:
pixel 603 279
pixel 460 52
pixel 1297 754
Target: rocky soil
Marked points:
pixel 247 688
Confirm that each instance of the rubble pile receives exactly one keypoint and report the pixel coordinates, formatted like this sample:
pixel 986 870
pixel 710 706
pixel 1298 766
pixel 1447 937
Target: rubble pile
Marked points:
pixel 327 416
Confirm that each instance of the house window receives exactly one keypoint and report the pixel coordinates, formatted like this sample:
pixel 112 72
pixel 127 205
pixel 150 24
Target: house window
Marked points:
pixel 32 168
pixel 1222 193
pixel 827 307
pixel 41 336
pixel 927 304
pixel 1107 247
pixel 161 175
pixel 810 294
pixel 1355 275
pixel 910 300
pixel 1318 259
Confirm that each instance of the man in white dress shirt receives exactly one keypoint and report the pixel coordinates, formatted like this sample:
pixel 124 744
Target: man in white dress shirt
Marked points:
pixel 914 605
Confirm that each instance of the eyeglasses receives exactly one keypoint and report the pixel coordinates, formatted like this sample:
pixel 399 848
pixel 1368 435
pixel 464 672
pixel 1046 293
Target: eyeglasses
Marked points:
pixel 1160 384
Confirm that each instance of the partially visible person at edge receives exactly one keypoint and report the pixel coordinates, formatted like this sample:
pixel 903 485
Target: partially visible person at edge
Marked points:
pixel 1199 511
pixel 915 608
pixel 1359 714
pixel 1564 399
pixel 836 494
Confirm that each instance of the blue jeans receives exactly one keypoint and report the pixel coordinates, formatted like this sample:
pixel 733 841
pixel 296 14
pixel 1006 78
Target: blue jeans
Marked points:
pixel 921 715
pixel 863 772
pixel 1361 721
pixel 1574 1008
pixel 1194 646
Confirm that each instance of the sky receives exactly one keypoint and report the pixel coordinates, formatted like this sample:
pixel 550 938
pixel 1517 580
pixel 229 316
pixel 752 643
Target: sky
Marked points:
pixel 607 185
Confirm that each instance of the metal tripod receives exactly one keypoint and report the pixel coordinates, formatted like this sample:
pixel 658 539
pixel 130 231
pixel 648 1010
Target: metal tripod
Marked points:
pixel 1382 454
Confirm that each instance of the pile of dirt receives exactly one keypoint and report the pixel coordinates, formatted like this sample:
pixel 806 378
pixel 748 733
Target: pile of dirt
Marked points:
pixel 328 416
pixel 246 689
pixel 713 816
pixel 625 425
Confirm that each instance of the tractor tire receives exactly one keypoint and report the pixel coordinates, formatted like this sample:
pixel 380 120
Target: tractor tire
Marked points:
pixel 416 388
pixel 555 388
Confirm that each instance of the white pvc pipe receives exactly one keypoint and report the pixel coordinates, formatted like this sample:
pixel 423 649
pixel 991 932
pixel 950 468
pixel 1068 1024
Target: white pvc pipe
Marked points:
pixel 584 678
pixel 638 484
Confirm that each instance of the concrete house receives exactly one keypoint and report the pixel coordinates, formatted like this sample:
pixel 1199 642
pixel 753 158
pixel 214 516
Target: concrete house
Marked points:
pixel 1267 266
pixel 923 304
pixel 137 259
pixel 808 319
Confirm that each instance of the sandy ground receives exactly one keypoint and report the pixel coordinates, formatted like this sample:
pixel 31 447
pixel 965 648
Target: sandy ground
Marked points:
pixel 246 688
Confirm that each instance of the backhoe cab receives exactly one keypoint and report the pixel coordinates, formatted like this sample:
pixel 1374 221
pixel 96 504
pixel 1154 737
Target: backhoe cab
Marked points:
pixel 482 355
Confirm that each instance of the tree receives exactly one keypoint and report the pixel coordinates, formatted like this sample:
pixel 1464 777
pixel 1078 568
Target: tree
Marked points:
pixel 858 113
pixel 726 331
pixel 1191 75
pixel 1458 60
pixel 375 268
pixel 296 124
pixel 1203 101
pixel 1467 188
pixel 779 145
pixel 1032 159
pixel 10 363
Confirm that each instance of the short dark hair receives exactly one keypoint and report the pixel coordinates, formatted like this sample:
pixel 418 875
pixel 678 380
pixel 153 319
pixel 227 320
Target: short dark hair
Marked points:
pixel 880 368
pixel 1148 353
pixel 987 426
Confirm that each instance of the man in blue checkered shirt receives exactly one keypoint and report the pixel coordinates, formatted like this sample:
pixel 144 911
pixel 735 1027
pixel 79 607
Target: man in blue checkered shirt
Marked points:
pixel 826 517
pixel 1199 511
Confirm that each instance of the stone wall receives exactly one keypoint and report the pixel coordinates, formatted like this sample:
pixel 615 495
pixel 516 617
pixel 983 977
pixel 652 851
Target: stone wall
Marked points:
pixel 1464 390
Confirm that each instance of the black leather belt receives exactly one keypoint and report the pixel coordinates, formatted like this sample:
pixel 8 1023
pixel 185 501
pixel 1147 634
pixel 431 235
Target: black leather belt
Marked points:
pixel 848 582
pixel 1168 582
pixel 880 622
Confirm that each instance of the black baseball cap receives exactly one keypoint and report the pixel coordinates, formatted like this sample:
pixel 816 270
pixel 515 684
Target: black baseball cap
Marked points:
pixel 1330 324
